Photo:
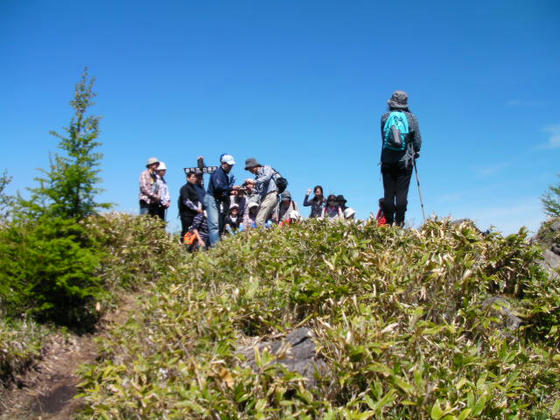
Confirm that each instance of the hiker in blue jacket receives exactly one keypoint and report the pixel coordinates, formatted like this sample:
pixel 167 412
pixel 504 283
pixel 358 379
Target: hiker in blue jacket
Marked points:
pixel 401 143
pixel 216 201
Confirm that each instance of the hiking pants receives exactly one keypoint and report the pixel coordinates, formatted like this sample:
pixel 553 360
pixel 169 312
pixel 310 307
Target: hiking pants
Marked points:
pixel 147 208
pixel 267 207
pixel 396 180
pixel 212 207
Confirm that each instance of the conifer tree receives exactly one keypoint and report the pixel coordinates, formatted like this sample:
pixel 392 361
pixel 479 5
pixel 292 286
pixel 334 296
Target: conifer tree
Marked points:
pixel 68 188
pixel 6 201
pixel 551 201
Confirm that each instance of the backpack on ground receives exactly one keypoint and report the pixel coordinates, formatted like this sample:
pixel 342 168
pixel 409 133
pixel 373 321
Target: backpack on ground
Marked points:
pixel 280 181
pixel 395 131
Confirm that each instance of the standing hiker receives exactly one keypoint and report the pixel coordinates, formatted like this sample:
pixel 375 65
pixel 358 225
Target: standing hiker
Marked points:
pixel 401 143
pixel 163 189
pixel 149 195
pixel 317 202
pixel 190 203
pixel 216 200
pixel 266 187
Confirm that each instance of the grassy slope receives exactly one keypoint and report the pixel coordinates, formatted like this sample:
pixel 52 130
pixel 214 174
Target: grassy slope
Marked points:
pixel 398 317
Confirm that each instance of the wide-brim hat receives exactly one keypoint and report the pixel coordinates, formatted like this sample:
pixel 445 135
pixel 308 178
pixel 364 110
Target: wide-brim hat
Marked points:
pixel 251 163
pixel 162 166
pixel 151 161
pixel 399 100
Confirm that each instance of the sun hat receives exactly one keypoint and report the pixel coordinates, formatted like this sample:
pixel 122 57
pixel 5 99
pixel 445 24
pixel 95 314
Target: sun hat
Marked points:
pixel 252 204
pixel 162 166
pixel 234 206
pixel 227 159
pixel 399 100
pixel 152 160
pixel 286 195
pixel 250 181
pixel 349 212
pixel 251 163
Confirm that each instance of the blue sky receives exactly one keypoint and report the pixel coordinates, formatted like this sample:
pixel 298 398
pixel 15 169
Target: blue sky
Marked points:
pixel 300 85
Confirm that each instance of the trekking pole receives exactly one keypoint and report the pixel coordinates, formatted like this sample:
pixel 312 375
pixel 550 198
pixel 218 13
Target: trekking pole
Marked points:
pixel 419 190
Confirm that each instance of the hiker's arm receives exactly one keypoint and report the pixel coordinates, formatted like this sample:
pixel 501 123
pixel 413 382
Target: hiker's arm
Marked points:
pixel 306 202
pixel 199 238
pixel 222 185
pixel 417 137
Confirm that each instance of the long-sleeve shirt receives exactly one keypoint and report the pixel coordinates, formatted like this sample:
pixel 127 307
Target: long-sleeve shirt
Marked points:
pixel 200 224
pixel 148 193
pixel 265 181
pixel 189 199
pixel 163 189
pixel 221 184
pixel 316 205
pixel 413 141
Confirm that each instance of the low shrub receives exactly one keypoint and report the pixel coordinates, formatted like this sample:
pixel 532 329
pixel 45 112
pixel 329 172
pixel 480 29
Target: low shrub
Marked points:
pixel 21 343
pixel 400 317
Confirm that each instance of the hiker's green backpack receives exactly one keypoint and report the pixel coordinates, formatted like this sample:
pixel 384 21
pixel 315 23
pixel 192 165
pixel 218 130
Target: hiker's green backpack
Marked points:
pixel 395 131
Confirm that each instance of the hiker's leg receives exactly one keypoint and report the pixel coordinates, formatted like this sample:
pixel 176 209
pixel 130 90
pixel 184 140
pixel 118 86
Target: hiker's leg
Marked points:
pixel 389 188
pixel 144 208
pixel 403 182
pixel 267 208
pixel 213 216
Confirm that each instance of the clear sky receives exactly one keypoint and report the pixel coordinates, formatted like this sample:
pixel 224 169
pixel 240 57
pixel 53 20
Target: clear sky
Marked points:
pixel 300 85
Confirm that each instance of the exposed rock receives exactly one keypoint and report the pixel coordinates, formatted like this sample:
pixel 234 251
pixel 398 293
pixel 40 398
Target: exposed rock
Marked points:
pixel 502 309
pixel 296 351
pixel 550 262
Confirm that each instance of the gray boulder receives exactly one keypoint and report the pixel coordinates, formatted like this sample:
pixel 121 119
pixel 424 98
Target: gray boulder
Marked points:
pixel 296 351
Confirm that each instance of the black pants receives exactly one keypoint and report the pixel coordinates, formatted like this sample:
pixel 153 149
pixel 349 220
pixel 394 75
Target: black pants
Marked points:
pixel 396 180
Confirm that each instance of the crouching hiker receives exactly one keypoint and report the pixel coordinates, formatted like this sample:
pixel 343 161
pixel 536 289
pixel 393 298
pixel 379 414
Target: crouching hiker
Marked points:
pixel 197 237
pixel 401 143
pixel 287 211
pixel 266 187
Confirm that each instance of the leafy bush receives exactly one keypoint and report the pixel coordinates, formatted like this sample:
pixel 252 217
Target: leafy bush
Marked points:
pixel 48 271
pixel 136 250
pixel 401 317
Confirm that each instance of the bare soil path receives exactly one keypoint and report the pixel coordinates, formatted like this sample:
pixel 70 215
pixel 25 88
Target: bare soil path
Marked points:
pixel 47 391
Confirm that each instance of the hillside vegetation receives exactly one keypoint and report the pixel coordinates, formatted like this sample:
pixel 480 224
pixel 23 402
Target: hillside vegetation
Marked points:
pixel 406 322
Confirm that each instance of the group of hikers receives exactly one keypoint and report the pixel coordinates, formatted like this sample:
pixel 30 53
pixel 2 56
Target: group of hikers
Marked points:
pixel 226 208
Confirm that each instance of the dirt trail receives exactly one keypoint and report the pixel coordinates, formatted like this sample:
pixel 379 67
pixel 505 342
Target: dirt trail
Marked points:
pixel 47 391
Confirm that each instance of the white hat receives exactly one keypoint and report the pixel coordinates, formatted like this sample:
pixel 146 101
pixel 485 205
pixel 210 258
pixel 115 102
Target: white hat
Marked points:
pixel 252 204
pixel 349 212
pixel 234 206
pixel 162 166
pixel 228 159
pixel 294 214
pixel 152 160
